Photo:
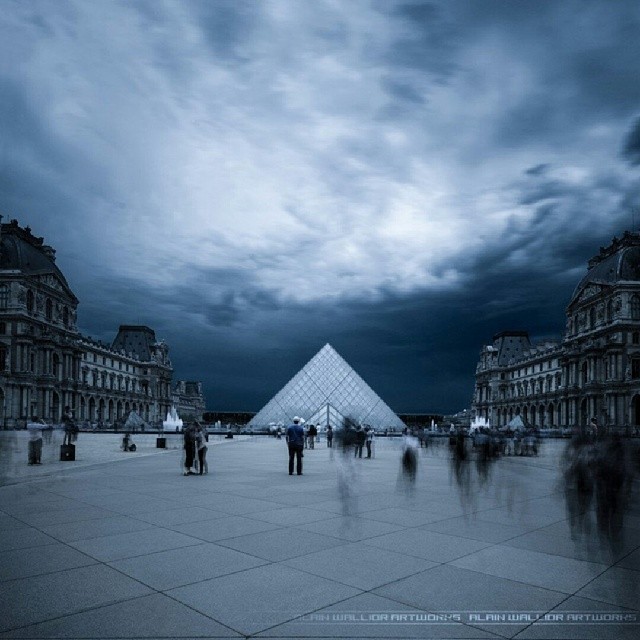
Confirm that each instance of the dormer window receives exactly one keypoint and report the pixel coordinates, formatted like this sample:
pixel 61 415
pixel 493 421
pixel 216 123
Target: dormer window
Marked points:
pixel 4 296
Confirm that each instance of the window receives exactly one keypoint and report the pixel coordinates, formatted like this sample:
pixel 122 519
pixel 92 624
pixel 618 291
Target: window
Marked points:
pixel 65 316
pixel 4 296
pixel 3 358
pixel 592 318
pixel 610 311
pixel 49 309
pixel 635 337
pixel 3 328
pixel 30 301
pixel 635 307
pixel 635 368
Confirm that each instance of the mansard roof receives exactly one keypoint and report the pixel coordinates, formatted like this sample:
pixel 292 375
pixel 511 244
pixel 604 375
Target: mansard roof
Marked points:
pixel 21 251
pixel 135 339
pixel 619 262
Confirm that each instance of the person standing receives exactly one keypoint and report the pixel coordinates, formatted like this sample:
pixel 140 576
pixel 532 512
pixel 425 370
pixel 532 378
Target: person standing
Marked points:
pixel 311 437
pixel 201 444
pixel 35 440
pixel 69 426
pixel 295 444
pixel 369 440
pixel 329 436
pixel 189 450
pixel 359 441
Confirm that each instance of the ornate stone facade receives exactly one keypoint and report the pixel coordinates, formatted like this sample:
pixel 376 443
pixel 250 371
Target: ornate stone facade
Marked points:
pixel 46 364
pixel 188 400
pixel 593 372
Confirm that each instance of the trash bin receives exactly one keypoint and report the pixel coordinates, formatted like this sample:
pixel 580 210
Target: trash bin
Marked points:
pixel 68 452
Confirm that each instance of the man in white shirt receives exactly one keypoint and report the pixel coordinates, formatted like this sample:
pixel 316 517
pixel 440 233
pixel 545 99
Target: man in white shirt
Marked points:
pixel 35 440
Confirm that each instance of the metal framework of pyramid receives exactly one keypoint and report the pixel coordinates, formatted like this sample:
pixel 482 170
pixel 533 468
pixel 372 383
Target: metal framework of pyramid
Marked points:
pixel 327 391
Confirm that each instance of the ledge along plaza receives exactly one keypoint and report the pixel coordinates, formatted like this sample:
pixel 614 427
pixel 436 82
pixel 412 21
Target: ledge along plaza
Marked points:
pixel 471 545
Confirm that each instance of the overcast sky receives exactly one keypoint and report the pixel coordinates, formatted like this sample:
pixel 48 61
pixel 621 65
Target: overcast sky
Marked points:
pixel 401 179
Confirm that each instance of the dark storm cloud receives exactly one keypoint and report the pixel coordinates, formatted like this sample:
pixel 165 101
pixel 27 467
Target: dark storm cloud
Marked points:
pixel 253 180
pixel 430 42
pixel 402 91
pixel 227 25
pixel 631 148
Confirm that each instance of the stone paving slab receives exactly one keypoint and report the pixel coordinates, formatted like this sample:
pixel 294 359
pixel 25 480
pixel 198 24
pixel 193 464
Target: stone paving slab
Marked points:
pixel 53 595
pixel 532 567
pixel 151 616
pixel 188 565
pixel 127 547
pixel 257 599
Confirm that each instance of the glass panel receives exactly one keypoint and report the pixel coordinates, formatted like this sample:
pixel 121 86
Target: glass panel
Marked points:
pixel 327 386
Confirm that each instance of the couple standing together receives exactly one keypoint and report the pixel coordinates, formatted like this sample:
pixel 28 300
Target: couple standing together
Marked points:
pixel 195 450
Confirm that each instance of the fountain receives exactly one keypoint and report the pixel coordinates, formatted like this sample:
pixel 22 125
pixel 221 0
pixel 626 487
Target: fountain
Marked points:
pixel 478 423
pixel 173 421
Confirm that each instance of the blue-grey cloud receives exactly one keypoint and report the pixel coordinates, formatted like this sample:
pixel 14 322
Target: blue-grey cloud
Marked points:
pixel 402 179
pixel 631 148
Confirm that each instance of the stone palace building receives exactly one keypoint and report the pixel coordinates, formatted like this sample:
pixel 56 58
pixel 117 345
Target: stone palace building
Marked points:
pixel 593 372
pixel 46 363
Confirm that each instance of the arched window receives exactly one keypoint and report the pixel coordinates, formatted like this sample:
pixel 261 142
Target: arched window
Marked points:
pixel 635 307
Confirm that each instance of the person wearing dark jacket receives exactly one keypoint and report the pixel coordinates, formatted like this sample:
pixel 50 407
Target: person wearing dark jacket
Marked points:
pixel 361 436
pixel 189 450
pixel 295 444
pixel 311 437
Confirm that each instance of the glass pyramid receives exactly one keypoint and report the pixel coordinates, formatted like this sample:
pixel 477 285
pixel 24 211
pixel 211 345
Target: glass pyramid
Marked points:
pixel 327 391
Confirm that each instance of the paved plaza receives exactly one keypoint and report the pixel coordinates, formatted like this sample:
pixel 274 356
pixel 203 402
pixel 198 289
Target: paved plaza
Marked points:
pixel 121 545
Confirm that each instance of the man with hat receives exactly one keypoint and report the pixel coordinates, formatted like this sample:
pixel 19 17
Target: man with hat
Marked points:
pixel 295 443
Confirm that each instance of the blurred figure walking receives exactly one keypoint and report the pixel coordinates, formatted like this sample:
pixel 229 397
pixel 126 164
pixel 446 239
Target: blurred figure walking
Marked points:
pixel 35 428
